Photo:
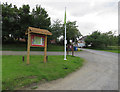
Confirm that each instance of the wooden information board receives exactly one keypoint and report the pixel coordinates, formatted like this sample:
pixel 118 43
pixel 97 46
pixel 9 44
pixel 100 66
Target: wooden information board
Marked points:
pixel 37 38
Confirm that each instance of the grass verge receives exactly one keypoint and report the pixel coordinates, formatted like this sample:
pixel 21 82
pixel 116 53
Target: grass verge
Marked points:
pixel 114 49
pixel 17 74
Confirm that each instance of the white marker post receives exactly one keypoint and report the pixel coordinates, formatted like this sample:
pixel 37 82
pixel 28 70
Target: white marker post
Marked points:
pixel 65 42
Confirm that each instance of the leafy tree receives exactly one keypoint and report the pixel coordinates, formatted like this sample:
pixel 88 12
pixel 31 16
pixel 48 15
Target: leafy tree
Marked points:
pixel 72 31
pixel 101 40
pixel 16 21
pixel 56 29
pixel 93 39
pixel 40 18
pixel 24 21
pixel 9 20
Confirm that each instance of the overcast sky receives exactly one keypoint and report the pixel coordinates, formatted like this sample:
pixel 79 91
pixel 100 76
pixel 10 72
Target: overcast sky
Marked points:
pixel 90 15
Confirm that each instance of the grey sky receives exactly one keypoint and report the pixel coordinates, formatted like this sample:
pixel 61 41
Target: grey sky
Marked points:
pixel 90 15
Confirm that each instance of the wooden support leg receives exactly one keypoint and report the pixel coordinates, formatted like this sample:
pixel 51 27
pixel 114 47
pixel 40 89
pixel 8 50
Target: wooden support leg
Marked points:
pixel 45 49
pixel 28 49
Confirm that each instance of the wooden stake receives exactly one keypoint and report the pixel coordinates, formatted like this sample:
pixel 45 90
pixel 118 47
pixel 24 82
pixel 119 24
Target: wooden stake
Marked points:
pixel 68 50
pixel 45 49
pixel 28 48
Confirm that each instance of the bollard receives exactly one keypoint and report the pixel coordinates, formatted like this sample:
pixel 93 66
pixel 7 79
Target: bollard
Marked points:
pixel 23 58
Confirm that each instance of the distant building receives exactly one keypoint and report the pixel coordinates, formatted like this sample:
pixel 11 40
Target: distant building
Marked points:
pixel 81 42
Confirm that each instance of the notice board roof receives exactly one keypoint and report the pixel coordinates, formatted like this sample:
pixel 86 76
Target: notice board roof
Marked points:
pixel 38 31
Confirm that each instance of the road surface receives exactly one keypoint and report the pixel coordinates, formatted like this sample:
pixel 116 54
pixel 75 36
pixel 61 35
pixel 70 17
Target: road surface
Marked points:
pixel 99 72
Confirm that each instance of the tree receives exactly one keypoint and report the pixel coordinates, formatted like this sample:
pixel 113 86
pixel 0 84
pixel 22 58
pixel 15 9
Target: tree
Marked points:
pixel 101 40
pixel 40 18
pixel 72 31
pixel 56 29
pixel 9 21
pixel 16 21
pixel 24 20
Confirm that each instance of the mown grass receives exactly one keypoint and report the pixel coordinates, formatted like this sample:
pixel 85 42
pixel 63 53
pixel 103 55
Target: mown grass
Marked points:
pixel 23 47
pixel 16 74
pixel 114 49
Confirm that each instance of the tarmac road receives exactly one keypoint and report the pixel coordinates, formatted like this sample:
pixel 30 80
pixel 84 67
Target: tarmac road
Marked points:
pixel 100 72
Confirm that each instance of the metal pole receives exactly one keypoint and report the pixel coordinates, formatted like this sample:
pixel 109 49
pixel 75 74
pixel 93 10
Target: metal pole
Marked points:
pixel 65 44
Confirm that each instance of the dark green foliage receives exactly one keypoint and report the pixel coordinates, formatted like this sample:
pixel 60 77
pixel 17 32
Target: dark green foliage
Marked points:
pixel 24 21
pixel 119 40
pixel 101 40
pixel 40 18
pixel 56 29
pixel 16 21
pixel 72 31
pixel 10 21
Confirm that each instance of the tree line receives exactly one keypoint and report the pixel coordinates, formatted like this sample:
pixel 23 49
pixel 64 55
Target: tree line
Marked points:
pixel 15 22
pixel 102 40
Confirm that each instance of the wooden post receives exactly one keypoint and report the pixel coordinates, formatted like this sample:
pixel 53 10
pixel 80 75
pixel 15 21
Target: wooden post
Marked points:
pixel 45 49
pixel 72 51
pixel 28 48
pixel 68 49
